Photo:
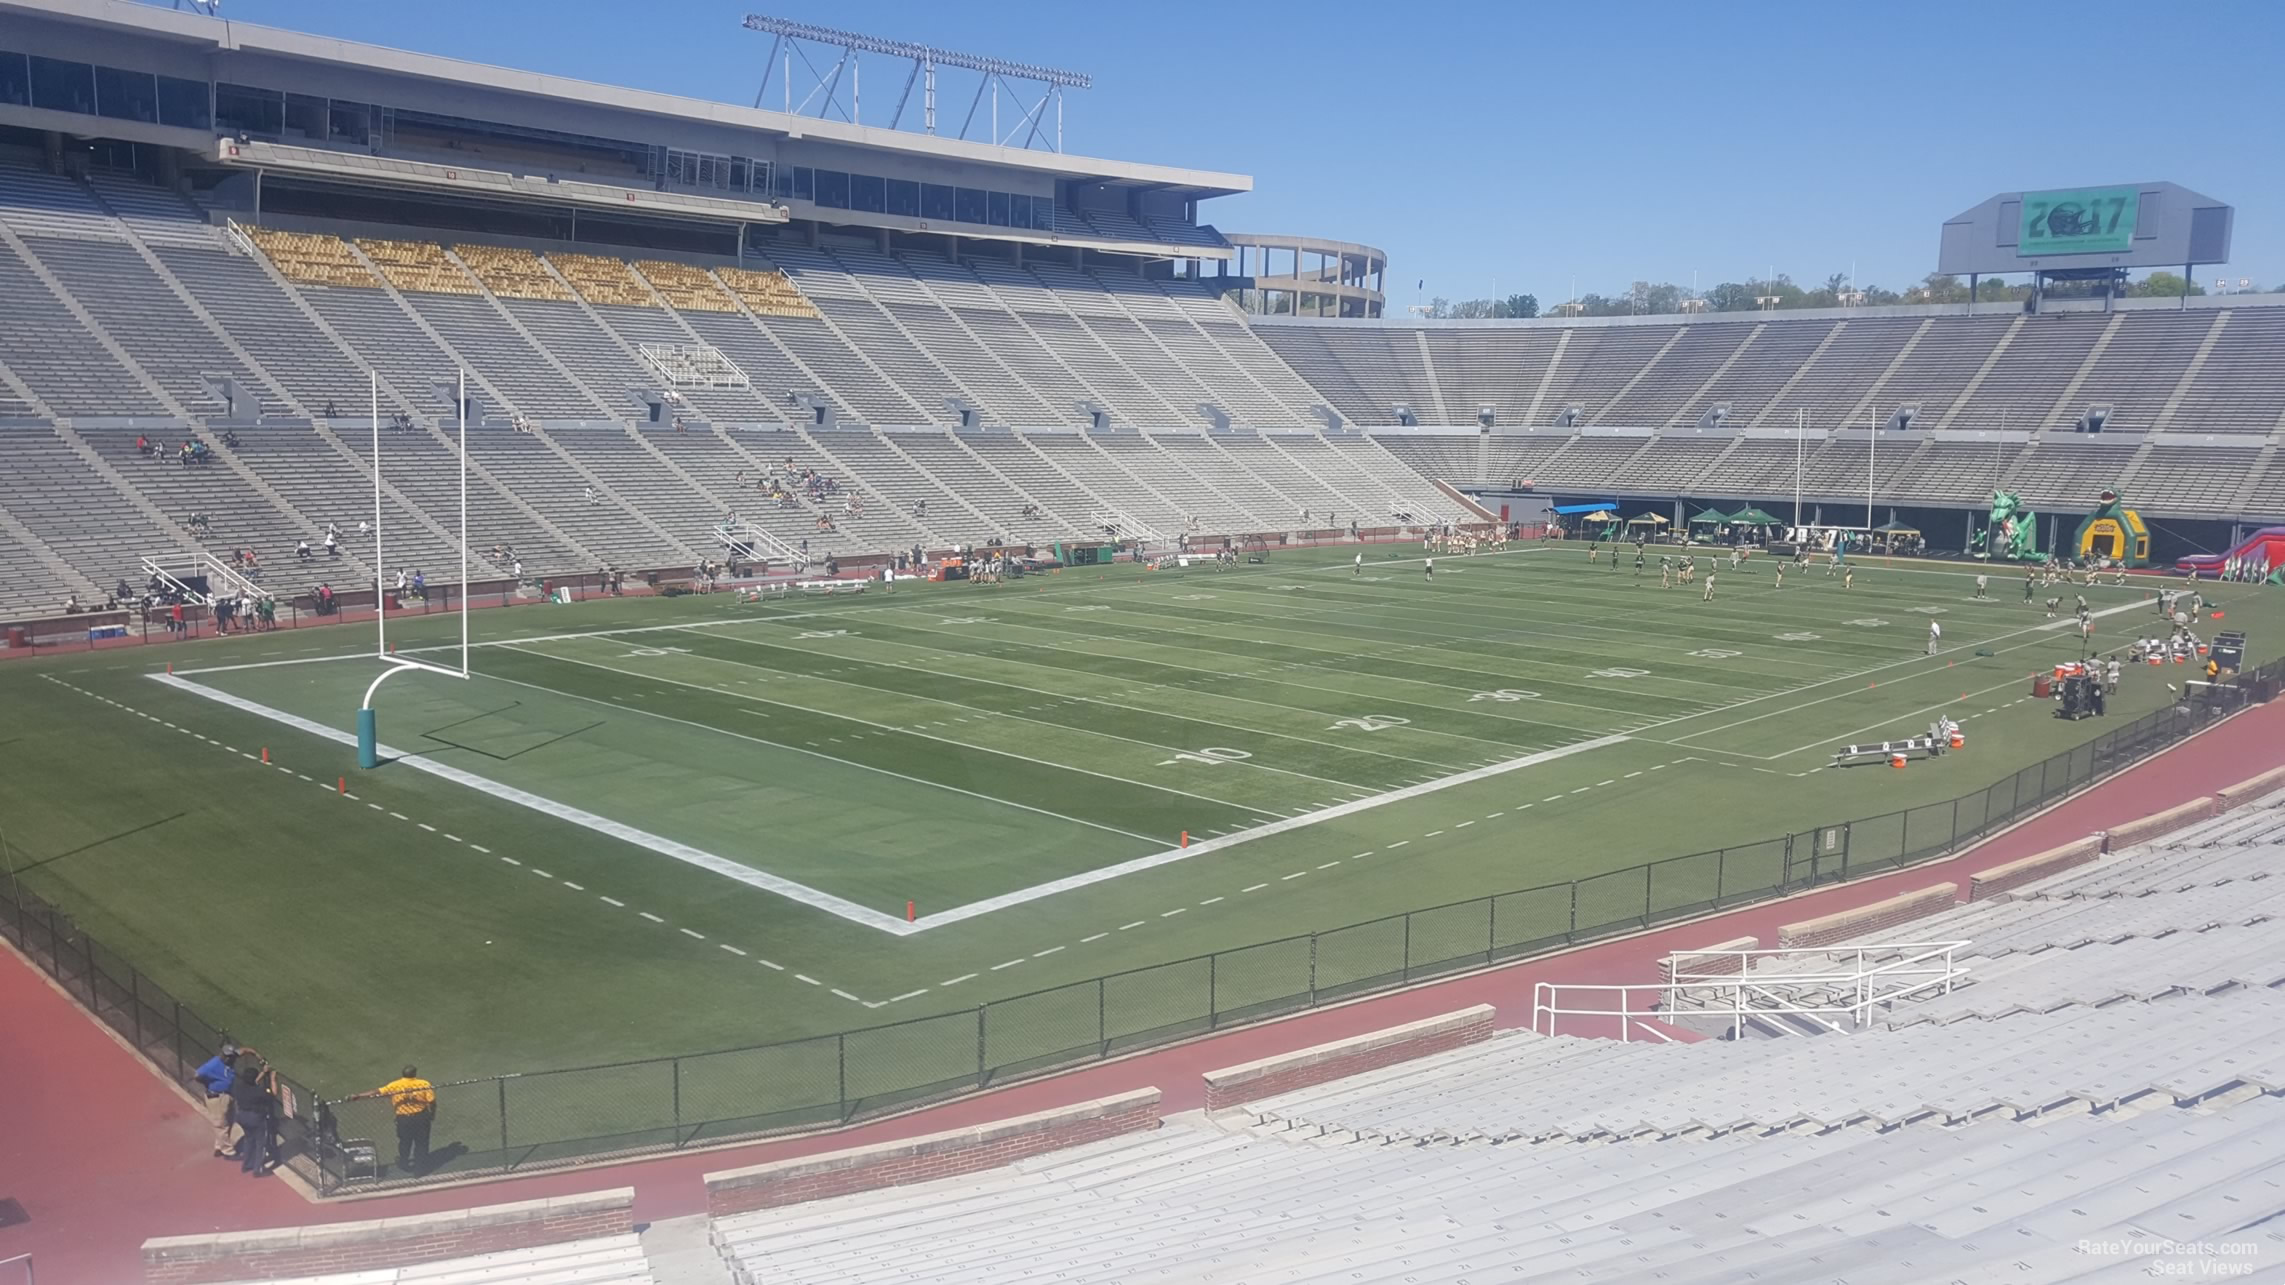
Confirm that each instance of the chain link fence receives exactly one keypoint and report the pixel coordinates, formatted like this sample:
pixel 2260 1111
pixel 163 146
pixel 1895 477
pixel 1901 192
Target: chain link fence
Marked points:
pixel 515 1122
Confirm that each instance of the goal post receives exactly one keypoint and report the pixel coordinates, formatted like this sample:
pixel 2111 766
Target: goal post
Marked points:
pixel 368 720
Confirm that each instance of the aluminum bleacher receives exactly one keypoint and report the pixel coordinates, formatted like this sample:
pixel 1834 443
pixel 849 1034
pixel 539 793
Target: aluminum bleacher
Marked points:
pixel 130 307
pixel 599 1260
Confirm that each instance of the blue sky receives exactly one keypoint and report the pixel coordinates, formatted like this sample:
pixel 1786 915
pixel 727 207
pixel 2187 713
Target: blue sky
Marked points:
pixel 1523 145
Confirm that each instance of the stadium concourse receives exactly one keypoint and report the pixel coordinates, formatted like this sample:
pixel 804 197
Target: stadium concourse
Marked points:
pixel 94 1184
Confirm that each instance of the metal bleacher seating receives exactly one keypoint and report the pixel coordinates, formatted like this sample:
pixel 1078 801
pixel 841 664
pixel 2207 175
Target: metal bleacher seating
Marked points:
pixel 600 1260
pixel 2082 1098
pixel 130 306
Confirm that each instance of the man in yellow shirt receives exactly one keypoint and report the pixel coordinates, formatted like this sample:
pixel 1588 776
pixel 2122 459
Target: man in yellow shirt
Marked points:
pixel 414 1100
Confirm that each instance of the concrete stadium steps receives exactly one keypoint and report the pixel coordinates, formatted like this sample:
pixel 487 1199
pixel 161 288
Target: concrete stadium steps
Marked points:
pixel 1532 1088
pixel 77 513
pixel 600 1260
pixel 1191 1203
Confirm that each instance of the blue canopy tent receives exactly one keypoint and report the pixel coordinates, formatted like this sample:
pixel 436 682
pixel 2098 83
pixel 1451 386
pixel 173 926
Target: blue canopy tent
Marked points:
pixel 1585 508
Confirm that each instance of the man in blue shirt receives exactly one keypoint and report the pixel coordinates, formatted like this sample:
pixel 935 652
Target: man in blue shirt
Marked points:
pixel 213 1079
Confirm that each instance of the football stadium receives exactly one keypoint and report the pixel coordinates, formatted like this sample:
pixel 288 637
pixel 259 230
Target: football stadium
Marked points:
pixel 604 687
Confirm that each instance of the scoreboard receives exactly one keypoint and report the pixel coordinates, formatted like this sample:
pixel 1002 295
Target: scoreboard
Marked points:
pixel 2084 231
pixel 2087 220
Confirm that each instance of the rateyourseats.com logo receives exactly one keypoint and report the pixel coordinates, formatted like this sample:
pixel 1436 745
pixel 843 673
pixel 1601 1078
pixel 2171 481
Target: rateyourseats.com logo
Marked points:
pixel 2183 1259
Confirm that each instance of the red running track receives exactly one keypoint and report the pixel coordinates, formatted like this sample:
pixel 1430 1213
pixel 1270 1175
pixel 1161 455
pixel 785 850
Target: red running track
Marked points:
pixel 102 1153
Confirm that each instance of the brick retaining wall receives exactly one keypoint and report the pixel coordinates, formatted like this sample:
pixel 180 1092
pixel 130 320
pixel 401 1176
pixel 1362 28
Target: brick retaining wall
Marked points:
pixel 386 1242
pixel 937 1155
pixel 1846 925
pixel 2159 824
pixel 2031 869
pixel 1270 1076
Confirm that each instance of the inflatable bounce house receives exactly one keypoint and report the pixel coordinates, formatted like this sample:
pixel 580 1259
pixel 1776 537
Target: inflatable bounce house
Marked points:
pixel 2115 532
pixel 2012 535
pixel 2258 559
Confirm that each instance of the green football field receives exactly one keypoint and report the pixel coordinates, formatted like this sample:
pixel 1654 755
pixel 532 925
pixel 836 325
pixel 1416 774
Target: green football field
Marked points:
pixel 653 826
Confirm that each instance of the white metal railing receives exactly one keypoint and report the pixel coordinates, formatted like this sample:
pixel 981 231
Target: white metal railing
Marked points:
pixel 1122 527
pixel 762 545
pixel 693 366
pixel 1715 982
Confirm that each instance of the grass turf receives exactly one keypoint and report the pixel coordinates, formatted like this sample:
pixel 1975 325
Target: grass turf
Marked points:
pixel 947 744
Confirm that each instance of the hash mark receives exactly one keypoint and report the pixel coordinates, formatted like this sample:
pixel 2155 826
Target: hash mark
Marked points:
pixel 648 915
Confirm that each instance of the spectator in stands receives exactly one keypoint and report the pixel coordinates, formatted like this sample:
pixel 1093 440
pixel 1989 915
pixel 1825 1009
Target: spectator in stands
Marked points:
pixel 420 584
pixel 71 605
pixel 589 493
pixel 142 444
pixel 254 1108
pixel 331 410
pixel 324 598
pixel 301 550
pixel 213 1078
pixel 174 618
pixel 230 438
pixel 920 508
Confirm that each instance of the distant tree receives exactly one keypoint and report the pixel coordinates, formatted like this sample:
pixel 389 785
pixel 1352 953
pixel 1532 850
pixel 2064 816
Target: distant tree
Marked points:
pixel 1439 307
pixel 1472 309
pixel 1517 306
pixel 2161 285
pixel 1731 296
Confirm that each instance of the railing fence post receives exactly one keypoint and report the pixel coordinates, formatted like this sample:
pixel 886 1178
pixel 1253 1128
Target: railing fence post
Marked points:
pixel 1213 993
pixel 675 1071
pixel 841 1063
pixel 1313 970
pixel 1102 1023
pixel 1491 926
pixel 979 1046
pixel 1404 970
pixel 502 1084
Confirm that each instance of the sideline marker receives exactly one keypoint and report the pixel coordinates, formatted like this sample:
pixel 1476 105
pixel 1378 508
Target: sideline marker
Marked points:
pixel 170 667
pixel 265 754
pixel 1185 838
pixel 341 785
pixel 908 911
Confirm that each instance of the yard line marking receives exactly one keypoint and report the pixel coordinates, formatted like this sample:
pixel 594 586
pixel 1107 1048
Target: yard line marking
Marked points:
pixel 1431 834
pixel 1631 775
pixel 376 807
pixel 687 933
pixel 847 996
pixel 1254 887
pixel 1136 924
pixel 1097 937
pixel 541 873
pixel 1328 865
pixel 1494 816
pixel 1583 789
pixel 666 847
pixel 1295 875
pixel 804 977
pixel 1210 901
pixel 1172 913
pixel 481 848
pixel 1659 767
pixel 1358 856
pixel 648 915
pixel 1552 798
pixel 767 964
pixel 1601 784
pixel 1010 964
pixel 511 861
pixel 426 826
pixel 454 837
pixel 575 887
pixel 955 981
pixel 899 999
pixel 1041 954
pixel 728 947
pixel 613 900
pixel 400 816
pixel 1463 825
pixel 1398 844
pixel 851 718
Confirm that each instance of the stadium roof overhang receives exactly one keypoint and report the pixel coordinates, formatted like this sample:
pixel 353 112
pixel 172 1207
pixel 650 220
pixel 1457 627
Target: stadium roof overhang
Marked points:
pixel 457 78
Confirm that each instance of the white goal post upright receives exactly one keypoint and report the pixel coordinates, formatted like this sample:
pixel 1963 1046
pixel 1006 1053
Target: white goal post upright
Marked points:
pixel 368 723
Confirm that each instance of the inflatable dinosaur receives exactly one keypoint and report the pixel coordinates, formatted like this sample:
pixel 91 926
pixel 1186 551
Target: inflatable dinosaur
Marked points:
pixel 2011 535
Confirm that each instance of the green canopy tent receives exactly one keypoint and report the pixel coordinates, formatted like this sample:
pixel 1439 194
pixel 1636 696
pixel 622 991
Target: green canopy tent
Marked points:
pixel 1889 530
pixel 1751 516
pixel 1711 517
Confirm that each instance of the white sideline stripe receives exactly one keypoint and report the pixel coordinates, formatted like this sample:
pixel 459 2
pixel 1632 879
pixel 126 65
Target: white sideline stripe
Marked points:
pixel 683 852
pixel 1172 855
